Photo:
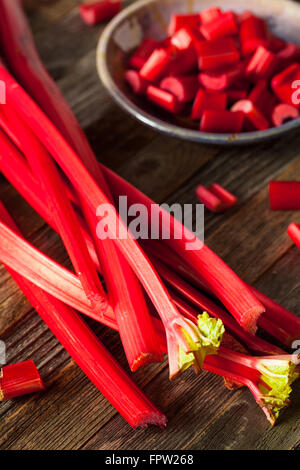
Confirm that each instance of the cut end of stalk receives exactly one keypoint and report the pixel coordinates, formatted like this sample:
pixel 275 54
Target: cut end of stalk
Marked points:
pixel 250 318
pixel 146 359
pixel 278 374
pixel 155 418
pixel 193 342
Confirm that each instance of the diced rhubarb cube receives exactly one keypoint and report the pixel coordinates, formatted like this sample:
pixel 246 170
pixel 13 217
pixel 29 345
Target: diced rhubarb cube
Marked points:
pixel 223 25
pixel 182 21
pixel 254 119
pixel 222 78
pixel 262 65
pixel 205 99
pixel 225 122
pixel 217 53
pixel 136 82
pixel 184 88
pixel 164 99
pixel 253 33
pixel 155 65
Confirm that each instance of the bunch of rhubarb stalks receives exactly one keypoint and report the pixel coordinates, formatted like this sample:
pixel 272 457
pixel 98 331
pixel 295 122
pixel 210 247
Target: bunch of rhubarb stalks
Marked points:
pixel 226 70
pixel 162 298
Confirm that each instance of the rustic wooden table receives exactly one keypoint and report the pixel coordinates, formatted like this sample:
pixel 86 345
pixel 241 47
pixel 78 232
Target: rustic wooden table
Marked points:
pixel 202 414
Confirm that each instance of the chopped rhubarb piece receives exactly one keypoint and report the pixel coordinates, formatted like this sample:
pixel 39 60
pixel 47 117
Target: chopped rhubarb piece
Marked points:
pixel 216 198
pixel 254 119
pixel 284 195
pixel 185 38
pixel 217 53
pixel 164 99
pixel 223 25
pixel 184 88
pixel 286 85
pixel 291 51
pixel 93 13
pixel 182 21
pixel 294 233
pixel 262 98
pixel 155 65
pixel 262 65
pixel 206 99
pixel 228 199
pixel 143 53
pixel 206 16
pixel 222 122
pixel 236 94
pixel 20 379
pixel 136 82
pixel 243 16
pixel 283 113
pixel 253 33
pixel 210 200
pixel 183 63
pixel 276 44
pixel 222 78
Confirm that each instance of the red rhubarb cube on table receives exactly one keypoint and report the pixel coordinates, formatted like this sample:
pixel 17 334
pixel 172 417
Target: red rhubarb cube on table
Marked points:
pixel 217 53
pixel 95 12
pixel 206 99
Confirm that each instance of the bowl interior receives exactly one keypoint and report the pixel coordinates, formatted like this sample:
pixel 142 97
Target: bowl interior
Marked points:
pixel 150 18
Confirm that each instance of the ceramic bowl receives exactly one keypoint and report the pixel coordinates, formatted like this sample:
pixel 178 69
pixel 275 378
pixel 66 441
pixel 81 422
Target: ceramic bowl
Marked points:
pixel 150 18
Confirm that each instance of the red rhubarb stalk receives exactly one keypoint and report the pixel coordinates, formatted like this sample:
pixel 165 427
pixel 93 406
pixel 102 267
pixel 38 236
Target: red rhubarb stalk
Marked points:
pixel 224 283
pixel 89 353
pixel 268 378
pixel 60 206
pixel 174 323
pixel 122 285
pixel 20 379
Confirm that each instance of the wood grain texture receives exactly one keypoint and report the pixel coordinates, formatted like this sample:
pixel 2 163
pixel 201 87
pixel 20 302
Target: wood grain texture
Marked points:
pixel 202 414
